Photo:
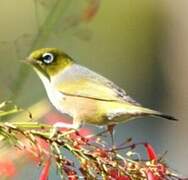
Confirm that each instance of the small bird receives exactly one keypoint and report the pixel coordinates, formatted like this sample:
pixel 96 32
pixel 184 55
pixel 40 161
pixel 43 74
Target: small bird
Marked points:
pixel 83 94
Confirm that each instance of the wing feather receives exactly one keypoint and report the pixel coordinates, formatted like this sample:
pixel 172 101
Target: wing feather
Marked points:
pixel 80 81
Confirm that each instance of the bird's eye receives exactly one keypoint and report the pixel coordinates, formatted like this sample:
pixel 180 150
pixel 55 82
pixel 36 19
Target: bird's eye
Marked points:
pixel 48 58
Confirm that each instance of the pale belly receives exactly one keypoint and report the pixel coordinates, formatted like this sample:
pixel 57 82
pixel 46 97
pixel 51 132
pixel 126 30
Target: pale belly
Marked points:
pixel 87 110
pixel 81 109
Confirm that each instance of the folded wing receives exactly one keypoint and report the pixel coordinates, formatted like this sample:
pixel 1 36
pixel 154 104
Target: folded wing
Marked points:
pixel 80 81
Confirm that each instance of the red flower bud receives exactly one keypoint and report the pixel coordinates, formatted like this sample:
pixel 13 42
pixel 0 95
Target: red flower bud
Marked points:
pixel 123 178
pixel 151 176
pixel 100 152
pixel 45 171
pixel 113 173
pixel 150 152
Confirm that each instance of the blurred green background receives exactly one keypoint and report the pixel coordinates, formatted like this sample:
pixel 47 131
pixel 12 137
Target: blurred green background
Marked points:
pixel 141 45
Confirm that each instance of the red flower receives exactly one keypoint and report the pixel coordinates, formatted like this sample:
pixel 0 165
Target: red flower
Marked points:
pixel 114 173
pixel 150 152
pixel 72 175
pixel 7 168
pixel 151 176
pixel 100 152
pixel 33 152
pixel 161 169
pixel 123 178
pixel 45 171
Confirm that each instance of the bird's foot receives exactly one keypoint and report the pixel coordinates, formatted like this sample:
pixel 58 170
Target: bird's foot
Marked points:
pixel 71 128
pixel 109 129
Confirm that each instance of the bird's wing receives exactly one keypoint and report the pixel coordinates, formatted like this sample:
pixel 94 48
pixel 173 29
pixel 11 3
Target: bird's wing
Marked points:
pixel 80 81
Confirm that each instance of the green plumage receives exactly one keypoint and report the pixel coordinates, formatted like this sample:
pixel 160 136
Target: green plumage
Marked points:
pixel 83 94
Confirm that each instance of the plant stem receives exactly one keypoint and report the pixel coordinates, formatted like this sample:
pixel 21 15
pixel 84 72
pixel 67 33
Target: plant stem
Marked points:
pixel 42 37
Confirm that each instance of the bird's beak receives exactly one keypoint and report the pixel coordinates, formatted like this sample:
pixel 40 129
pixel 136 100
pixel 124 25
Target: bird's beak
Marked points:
pixel 28 61
pixel 36 66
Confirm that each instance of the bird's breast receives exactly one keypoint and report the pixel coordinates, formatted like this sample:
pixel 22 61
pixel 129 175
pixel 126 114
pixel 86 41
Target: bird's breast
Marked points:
pixel 56 99
pixel 54 95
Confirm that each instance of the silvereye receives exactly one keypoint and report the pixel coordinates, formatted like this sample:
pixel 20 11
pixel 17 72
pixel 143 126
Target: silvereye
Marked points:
pixel 83 94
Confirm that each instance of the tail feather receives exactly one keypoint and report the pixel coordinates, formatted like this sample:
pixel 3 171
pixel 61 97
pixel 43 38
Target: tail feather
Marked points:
pixel 150 112
pixel 166 117
pixel 139 111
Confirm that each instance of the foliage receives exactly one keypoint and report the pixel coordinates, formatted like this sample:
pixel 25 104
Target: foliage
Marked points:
pixel 92 157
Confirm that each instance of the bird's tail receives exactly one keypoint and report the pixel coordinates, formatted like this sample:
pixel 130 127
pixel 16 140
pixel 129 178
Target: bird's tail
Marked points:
pixel 129 111
pixel 150 112
pixel 166 116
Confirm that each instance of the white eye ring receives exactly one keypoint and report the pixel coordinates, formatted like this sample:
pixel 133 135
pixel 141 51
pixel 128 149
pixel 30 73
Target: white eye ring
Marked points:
pixel 48 58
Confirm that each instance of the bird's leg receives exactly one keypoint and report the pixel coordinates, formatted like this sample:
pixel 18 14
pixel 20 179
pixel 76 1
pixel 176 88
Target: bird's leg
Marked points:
pixel 110 129
pixel 104 131
pixel 63 125
pixel 56 126
pixel 75 125
pixel 100 134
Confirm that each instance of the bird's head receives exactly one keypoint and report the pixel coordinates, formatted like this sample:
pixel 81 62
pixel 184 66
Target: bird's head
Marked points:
pixel 49 61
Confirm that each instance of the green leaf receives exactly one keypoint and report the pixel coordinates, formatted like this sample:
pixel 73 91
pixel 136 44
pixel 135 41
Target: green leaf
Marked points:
pixel 7 108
